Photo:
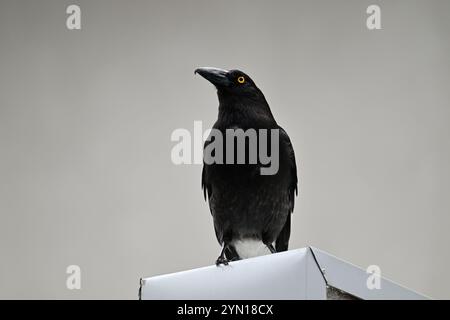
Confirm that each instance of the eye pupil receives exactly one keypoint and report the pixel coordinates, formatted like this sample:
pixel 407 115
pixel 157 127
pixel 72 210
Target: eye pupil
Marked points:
pixel 241 79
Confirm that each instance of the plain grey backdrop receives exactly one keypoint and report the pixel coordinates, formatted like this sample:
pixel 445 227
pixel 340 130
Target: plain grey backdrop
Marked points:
pixel 86 116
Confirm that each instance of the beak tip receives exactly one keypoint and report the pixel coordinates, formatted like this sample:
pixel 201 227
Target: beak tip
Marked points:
pixel 216 76
pixel 199 70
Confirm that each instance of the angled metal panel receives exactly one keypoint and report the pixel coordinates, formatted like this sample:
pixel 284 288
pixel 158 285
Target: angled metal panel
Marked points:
pixel 353 280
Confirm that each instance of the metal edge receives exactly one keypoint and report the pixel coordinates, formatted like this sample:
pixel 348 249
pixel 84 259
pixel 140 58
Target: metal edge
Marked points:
pixel 141 283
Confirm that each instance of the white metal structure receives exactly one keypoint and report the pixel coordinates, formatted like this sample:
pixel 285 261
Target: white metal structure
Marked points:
pixel 306 273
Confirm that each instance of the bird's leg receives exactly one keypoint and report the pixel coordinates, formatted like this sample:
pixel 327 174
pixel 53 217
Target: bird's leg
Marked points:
pixel 271 248
pixel 222 259
pixel 231 253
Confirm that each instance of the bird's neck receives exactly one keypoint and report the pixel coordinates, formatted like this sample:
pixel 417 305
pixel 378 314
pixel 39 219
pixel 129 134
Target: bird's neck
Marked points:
pixel 245 113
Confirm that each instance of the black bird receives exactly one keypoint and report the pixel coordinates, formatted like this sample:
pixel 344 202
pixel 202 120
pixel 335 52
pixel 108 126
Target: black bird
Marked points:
pixel 251 211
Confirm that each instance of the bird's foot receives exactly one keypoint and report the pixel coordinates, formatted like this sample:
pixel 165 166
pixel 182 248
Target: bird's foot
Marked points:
pixel 221 260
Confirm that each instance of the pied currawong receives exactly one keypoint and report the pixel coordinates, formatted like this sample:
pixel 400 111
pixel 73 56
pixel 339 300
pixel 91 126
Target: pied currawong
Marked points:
pixel 251 211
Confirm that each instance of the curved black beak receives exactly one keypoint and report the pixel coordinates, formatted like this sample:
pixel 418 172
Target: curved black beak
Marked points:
pixel 217 77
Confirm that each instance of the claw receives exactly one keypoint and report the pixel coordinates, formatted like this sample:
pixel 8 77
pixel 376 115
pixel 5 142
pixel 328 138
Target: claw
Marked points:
pixel 221 260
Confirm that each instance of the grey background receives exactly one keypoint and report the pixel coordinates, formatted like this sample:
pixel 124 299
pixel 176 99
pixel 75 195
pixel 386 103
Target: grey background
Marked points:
pixel 86 118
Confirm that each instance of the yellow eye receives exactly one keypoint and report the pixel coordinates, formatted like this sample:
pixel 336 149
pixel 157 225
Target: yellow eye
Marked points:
pixel 241 79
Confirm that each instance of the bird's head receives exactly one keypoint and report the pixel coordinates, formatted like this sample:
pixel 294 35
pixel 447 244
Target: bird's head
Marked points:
pixel 236 91
pixel 232 83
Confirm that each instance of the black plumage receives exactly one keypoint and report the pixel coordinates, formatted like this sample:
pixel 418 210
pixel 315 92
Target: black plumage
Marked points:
pixel 244 203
